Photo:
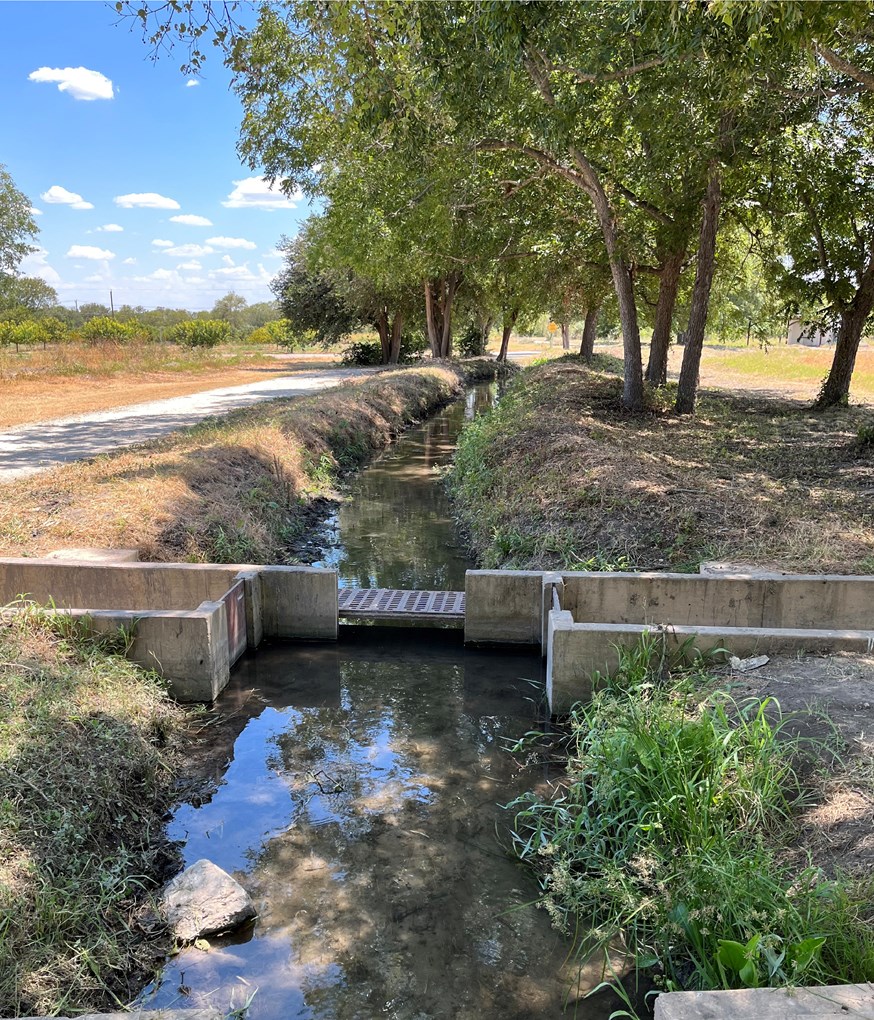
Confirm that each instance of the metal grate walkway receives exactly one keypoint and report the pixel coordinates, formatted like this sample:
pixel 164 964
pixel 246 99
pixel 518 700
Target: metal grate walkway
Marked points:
pixel 397 604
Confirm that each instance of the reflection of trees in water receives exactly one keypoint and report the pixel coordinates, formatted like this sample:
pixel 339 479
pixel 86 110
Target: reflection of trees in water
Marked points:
pixel 396 529
pixel 409 888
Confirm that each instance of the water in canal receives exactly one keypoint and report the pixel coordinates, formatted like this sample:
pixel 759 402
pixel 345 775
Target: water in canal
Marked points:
pixel 360 805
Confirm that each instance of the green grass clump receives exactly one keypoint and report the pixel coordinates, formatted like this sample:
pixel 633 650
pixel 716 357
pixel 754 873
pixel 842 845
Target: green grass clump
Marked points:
pixel 668 841
pixel 85 778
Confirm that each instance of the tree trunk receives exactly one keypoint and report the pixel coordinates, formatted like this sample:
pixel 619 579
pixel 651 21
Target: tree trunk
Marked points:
pixel 688 385
pixel 395 344
pixel 509 323
pixel 587 344
pixel 836 387
pixel 669 282
pixel 384 342
pixel 439 296
pixel 566 336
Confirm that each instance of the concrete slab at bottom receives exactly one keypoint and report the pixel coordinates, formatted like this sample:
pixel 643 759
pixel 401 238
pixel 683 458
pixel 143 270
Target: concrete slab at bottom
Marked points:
pixel 855 1002
pixel 145 1014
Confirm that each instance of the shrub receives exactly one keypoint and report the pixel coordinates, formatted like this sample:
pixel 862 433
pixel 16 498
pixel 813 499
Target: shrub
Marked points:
pixel 54 331
pixel 276 332
pixel 472 342
pixel 199 333
pixel 30 331
pixel 104 328
pixel 369 352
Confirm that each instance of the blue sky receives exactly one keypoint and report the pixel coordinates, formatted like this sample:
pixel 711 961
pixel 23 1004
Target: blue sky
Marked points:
pixel 125 180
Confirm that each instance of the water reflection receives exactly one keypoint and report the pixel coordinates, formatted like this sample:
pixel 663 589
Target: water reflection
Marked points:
pixel 395 528
pixel 361 808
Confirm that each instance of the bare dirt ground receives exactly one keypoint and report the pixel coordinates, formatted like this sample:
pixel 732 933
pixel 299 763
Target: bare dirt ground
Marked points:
pixel 830 700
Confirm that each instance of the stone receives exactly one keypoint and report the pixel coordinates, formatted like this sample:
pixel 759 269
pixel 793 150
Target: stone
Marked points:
pixel 204 900
pixel 746 665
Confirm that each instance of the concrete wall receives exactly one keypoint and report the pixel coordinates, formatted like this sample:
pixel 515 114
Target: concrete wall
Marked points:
pixel 175 610
pixel 117 586
pixel 577 651
pixel 823 601
pixel 503 607
pixel 768 1003
pixel 189 649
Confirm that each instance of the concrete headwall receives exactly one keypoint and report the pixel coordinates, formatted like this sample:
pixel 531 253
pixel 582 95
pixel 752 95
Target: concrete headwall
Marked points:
pixel 823 601
pixel 503 607
pixel 178 612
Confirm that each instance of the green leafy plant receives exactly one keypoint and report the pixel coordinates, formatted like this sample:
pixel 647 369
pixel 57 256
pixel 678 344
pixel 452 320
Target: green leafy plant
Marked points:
pixel 200 333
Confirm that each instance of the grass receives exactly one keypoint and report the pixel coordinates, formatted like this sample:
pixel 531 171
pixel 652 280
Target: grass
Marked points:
pixel 235 489
pixel 668 837
pixel 559 476
pixel 86 755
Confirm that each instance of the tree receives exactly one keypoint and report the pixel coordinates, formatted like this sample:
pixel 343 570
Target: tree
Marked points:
pixel 29 293
pixel 17 225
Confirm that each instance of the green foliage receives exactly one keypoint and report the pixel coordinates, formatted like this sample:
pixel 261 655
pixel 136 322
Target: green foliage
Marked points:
pixel 665 837
pixel 106 329
pixel 276 332
pixel 17 225
pixel 369 352
pixel 31 331
pixel 472 342
pixel 200 333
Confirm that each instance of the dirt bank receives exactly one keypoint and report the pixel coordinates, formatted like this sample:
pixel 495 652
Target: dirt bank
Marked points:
pixel 239 488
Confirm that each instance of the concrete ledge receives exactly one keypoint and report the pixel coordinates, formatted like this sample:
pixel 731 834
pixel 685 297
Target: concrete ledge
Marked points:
pixel 576 651
pixel 189 649
pixel 146 1014
pixel 503 607
pixel 768 1003
pixel 299 602
pixel 92 554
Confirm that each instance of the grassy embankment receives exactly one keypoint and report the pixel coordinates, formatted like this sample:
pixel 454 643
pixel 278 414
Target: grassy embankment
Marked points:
pixel 86 755
pixel 235 489
pixel 558 475
pixel 673 839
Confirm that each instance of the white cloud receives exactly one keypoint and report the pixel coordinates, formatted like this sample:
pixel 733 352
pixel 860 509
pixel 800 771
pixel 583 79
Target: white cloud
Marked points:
pixel 256 193
pixel 129 262
pixel 87 251
pixel 185 251
pixel 36 264
pixel 192 83
pixel 56 195
pixel 145 200
pixel 159 243
pixel 96 278
pixel 190 220
pixel 231 242
pixel 193 264
pixel 35 212
pixel 162 274
pixel 110 228
pixel 274 253
pixel 228 261
pixel 78 81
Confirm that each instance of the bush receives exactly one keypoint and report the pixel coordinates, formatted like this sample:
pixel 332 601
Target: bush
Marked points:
pixel 105 329
pixel 472 342
pixel 276 332
pixel 369 352
pixel 200 333
pixel 31 331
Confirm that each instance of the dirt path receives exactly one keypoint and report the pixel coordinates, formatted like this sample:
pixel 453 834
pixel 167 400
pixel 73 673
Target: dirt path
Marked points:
pixel 31 448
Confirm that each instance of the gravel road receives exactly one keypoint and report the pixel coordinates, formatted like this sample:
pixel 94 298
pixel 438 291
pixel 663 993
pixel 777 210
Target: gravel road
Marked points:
pixel 27 449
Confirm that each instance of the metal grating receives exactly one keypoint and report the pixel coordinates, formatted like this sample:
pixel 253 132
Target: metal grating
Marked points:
pixel 397 604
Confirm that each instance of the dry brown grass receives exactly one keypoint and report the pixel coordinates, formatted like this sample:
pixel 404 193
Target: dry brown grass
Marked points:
pixel 235 489
pixel 561 476
pixel 41 385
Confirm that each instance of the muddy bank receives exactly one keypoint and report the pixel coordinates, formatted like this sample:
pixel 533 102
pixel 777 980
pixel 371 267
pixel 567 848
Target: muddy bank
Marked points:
pixel 241 488
pixel 559 476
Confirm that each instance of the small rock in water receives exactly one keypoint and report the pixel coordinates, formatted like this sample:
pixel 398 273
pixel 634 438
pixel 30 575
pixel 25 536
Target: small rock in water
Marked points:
pixel 204 900
pixel 745 665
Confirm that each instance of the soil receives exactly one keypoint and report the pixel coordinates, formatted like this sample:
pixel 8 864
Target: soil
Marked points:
pixel 830 700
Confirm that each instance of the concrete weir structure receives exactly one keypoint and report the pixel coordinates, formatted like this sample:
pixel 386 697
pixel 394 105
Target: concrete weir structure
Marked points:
pixel 581 619
pixel 188 621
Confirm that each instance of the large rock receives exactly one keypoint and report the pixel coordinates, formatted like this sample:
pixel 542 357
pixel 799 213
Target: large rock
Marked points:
pixel 204 900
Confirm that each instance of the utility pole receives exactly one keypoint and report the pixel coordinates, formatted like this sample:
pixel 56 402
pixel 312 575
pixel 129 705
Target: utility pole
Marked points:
pixel 111 306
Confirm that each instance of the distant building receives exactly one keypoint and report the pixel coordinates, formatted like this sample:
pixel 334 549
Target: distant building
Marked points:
pixel 808 335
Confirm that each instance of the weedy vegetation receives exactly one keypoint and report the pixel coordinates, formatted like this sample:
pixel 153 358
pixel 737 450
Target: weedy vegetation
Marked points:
pixel 672 838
